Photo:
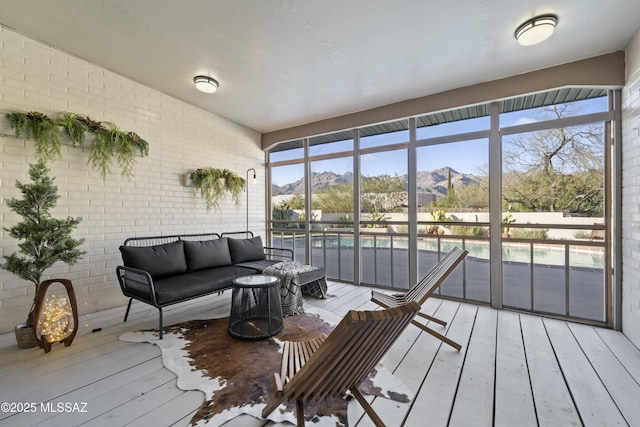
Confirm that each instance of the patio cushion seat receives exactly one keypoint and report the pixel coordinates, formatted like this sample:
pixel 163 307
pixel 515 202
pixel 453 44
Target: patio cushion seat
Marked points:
pixel 202 282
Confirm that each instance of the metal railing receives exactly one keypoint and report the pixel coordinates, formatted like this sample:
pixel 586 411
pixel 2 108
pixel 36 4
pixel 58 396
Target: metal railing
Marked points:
pixel 543 278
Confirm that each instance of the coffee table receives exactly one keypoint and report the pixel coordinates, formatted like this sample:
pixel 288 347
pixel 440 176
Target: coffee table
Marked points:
pixel 255 307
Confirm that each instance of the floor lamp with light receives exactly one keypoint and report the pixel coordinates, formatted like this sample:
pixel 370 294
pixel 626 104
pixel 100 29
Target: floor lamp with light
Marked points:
pixel 255 181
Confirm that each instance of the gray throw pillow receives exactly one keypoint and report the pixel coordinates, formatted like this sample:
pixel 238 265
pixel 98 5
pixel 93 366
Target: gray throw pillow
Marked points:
pixel 207 254
pixel 243 250
pixel 159 261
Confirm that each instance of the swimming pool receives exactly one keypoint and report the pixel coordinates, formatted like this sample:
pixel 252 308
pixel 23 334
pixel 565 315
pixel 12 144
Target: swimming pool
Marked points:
pixel 550 253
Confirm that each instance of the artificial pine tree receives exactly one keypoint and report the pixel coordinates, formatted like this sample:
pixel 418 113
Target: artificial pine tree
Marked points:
pixel 44 240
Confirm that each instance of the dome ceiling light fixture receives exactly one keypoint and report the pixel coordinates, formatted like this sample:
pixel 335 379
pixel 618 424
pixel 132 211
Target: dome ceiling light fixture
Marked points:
pixel 536 30
pixel 206 84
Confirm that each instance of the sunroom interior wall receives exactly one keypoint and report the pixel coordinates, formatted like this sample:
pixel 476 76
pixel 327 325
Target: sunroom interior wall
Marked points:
pixel 37 77
pixel 631 194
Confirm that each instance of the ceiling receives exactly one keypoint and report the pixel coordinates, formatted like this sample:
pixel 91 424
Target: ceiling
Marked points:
pixel 283 63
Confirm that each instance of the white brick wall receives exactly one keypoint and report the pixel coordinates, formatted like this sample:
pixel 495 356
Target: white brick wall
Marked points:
pixel 631 194
pixel 36 77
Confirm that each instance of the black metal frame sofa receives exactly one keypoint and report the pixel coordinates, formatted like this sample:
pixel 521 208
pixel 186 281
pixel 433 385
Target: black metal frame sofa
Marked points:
pixel 166 270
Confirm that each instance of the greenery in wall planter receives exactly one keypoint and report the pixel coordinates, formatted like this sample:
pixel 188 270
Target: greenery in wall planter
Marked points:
pixel 74 127
pixel 109 142
pixel 37 126
pixel 213 183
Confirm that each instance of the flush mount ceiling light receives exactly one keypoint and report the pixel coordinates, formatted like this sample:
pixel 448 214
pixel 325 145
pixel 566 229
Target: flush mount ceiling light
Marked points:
pixel 536 30
pixel 206 84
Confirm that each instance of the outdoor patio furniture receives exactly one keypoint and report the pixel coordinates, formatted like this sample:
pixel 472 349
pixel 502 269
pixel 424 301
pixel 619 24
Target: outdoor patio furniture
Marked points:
pixel 295 280
pixel 166 270
pixel 255 307
pixel 423 290
pixel 334 365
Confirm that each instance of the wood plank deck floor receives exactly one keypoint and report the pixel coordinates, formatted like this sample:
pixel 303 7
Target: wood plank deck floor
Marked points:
pixel 513 369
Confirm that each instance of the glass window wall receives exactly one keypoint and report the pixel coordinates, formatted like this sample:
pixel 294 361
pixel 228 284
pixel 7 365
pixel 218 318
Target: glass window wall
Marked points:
pixel 553 190
pixel 390 224
pixel 453 210
pixel 288 208
pixel 332 221
pixel 384 219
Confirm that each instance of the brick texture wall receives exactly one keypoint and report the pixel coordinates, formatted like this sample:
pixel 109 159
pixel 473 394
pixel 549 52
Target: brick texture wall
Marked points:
pixel 631 194
pixel 34 76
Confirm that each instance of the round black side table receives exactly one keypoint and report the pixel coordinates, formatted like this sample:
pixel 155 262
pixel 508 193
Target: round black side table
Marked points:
pixel 255 307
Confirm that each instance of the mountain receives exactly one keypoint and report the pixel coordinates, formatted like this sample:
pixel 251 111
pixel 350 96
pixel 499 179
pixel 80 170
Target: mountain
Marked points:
pixel 319 181
pixel 434 182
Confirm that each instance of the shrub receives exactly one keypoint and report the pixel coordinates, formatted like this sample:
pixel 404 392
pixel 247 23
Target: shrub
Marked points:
pixel 468 230
pixel 529 233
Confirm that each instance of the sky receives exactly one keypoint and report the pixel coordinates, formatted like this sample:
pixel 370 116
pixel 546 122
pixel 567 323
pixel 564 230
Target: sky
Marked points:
pixel 470 157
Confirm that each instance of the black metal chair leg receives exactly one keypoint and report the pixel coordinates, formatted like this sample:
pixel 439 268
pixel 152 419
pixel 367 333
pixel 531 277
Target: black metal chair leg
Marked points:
pixel 126 315
pixel 160 330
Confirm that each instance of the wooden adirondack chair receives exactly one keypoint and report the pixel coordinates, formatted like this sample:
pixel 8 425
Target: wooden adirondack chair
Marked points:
pixel 334 365
pixel 423 290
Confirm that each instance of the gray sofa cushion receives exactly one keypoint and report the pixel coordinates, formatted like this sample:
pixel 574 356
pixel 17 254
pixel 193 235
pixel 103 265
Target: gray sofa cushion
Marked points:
pixel 159 261
pixel 206 254
pixel 258 265
pixel 243 250
pixel 202 282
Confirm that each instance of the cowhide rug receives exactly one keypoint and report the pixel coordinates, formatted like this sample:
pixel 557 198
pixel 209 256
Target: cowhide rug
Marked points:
pixel 236 375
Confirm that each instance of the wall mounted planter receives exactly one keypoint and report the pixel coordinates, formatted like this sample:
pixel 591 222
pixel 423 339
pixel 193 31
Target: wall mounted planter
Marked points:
pixel 108 143
pixel 214 184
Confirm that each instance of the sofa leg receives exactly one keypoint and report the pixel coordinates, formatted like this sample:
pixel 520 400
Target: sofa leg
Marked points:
pixel 126 315
pixel 160 326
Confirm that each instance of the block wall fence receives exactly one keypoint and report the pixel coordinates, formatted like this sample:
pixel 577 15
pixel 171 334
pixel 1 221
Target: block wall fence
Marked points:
pixel 37 77
pixel 631 194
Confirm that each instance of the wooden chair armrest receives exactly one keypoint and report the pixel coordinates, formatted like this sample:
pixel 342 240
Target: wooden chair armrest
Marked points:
pixel 294 355
pixel 386 300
